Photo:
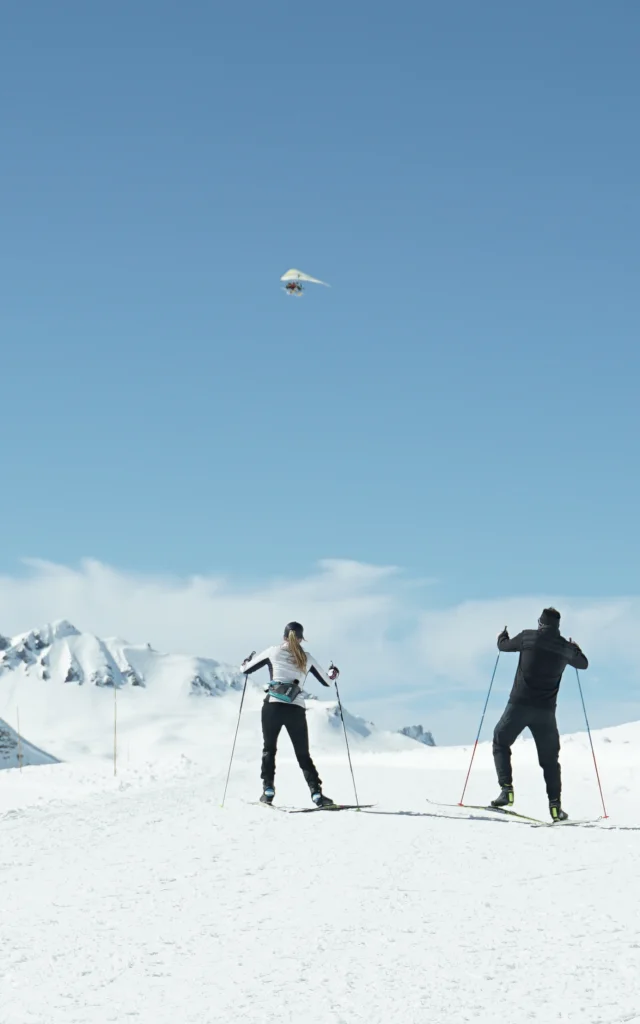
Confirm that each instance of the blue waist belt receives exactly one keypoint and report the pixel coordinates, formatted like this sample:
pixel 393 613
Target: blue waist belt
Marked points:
pixel 286 692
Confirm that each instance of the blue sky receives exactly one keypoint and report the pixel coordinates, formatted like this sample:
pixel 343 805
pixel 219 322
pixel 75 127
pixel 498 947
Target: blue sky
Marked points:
pixel 462 403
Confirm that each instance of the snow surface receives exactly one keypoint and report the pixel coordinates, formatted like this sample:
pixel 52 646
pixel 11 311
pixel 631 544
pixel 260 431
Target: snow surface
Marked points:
pixel 138 898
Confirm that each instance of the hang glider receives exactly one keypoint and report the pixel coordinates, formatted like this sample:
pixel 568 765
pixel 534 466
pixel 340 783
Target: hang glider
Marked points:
pixel 294 279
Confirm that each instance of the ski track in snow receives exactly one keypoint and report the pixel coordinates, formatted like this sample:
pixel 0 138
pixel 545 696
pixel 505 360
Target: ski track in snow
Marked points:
pixel 149 903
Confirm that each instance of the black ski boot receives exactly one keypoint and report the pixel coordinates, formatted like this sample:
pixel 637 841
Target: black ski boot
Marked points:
pixel 505 799
pixel 320 800
pixel 556 812
pixel 268 794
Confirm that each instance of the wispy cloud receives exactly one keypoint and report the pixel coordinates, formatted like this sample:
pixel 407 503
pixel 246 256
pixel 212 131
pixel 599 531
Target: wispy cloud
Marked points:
pixel 403 658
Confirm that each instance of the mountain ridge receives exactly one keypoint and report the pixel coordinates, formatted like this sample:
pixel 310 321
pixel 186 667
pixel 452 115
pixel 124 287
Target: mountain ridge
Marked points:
pixel 57 675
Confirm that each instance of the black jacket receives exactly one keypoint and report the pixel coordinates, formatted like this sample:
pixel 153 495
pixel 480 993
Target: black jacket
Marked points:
pixel 544 655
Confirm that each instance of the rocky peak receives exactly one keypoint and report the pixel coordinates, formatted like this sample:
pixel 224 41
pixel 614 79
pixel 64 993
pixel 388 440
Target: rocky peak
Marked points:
pixel 416 732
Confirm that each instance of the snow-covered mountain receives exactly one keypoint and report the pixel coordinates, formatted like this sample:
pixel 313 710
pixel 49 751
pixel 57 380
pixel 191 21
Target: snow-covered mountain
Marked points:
pixel 417 732
pixel 72 690
pixel 16 752
pixel 61 652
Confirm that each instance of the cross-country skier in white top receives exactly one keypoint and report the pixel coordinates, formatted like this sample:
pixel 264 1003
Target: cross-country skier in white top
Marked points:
pixel 289 665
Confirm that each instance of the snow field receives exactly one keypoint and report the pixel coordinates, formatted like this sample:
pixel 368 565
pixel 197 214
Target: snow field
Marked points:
pixel 140 899
pixel 137 898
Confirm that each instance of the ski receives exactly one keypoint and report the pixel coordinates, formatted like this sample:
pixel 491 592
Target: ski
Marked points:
pixel 311 810
pixel 327 807
pixel 496 810
pixel 510 814
pixel 535 822
pixel 590 822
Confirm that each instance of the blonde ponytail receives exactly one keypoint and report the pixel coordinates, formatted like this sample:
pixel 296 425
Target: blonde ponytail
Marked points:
pixel 297 652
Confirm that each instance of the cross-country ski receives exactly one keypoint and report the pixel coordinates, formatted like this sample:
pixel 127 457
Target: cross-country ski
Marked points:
pixel 317 810
pixel 501 811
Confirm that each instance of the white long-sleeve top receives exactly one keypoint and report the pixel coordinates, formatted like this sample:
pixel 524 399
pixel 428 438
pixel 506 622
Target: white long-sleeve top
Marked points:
pixel 283 669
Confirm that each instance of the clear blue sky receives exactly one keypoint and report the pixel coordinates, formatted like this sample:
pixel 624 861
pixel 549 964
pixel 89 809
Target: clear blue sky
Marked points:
pixel 463 402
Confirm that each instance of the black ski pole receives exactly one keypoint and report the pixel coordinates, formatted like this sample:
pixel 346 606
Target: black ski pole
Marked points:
pixel 595 763
pixel 475 745
pixel 346 740
pixel 244 690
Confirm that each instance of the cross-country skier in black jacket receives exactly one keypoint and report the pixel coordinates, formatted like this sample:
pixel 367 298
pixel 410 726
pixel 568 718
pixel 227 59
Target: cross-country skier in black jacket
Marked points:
pixel 544 655
pixel 289 665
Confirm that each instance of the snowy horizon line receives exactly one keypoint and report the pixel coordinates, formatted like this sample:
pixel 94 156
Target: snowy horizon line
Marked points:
pixel 402 657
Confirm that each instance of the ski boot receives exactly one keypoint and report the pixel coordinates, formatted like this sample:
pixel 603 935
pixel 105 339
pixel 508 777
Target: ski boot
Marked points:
pixel 556 812
pixel 268 794
pixel 505 799
pixel 320 800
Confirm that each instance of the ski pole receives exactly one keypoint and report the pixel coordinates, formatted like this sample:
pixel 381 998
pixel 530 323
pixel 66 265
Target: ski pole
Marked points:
pixel 346 741
pixel 595 763
pixel 244 690
pixel 475 745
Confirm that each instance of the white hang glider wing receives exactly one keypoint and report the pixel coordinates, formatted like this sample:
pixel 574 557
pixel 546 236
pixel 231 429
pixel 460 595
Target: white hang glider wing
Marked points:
pixel 297 275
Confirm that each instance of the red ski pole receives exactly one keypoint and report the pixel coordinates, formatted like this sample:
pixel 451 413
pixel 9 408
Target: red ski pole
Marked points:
pixel 595 763
pixel 475 745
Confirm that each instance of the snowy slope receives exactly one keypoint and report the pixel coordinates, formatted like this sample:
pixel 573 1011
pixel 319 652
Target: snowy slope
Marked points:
pixel 140 899
pixel 67 687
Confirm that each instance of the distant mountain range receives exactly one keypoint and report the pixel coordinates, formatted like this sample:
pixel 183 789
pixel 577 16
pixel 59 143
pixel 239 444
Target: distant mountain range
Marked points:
pixel 55 679
pixel 416 732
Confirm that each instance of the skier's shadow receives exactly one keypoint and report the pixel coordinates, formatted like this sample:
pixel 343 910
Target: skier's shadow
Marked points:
pixel 619 828
pixel 498 821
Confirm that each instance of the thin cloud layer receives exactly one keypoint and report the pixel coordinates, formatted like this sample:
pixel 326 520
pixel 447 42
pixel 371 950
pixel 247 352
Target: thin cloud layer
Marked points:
pixel 402 658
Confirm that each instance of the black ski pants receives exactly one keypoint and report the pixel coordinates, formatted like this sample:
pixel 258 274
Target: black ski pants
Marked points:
pixel 275 715
pixel 544 729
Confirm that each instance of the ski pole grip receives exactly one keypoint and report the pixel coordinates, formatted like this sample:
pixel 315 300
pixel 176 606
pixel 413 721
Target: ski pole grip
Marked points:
pixel 252 655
